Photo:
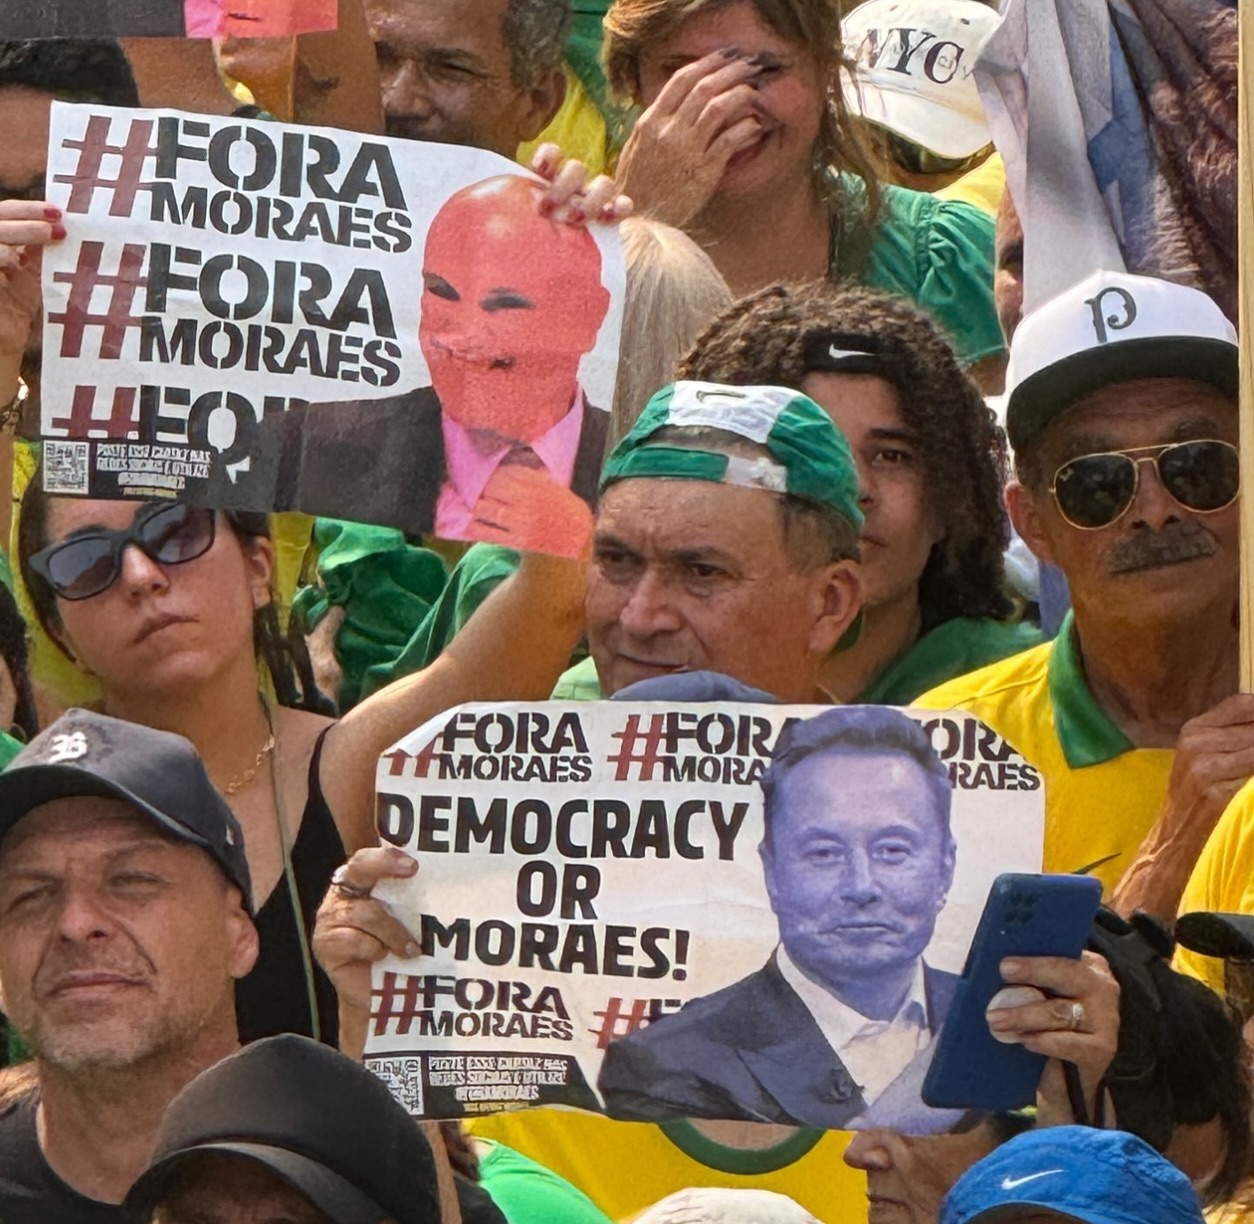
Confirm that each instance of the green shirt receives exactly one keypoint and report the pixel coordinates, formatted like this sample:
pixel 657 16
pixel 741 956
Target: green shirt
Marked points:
pixel 952 649
pixel 528 1193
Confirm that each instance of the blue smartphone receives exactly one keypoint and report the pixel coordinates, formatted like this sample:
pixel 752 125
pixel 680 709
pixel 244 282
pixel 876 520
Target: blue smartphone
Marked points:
pixel 1025 915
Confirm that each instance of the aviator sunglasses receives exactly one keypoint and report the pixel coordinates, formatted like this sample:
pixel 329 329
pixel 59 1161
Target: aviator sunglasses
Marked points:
pixel 1094 491
pixel 89 564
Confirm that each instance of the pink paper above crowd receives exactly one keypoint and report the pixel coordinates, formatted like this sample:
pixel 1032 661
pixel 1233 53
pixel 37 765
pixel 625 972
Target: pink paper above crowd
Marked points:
pixel 623 610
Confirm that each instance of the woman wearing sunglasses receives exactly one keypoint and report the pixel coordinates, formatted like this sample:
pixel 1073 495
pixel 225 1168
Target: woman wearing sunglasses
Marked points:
pixel 170 608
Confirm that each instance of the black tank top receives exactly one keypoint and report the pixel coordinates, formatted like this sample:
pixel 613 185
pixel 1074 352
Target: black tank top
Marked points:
pixel 274 997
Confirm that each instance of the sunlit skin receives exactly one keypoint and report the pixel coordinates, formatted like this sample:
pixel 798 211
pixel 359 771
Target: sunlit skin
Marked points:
pixel 227 1188
pixel 789 98
pixel 445 71
pixel 115 939
pixel 1008 278
pixel 898 536
pixel 162 627
pixel 690 575
pixel 908 1176
pixel 507 317
pixel 858 861
pixel 1203 573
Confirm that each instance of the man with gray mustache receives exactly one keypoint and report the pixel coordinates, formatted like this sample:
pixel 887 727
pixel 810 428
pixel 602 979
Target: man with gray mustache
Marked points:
pixel 1122 410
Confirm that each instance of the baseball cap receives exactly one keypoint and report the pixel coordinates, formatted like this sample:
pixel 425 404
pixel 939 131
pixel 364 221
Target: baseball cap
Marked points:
pixel 1093 1176
pixel 158 773
pixel 809 456
pixel 319 1120
pixel 1112 327
pixel 913 70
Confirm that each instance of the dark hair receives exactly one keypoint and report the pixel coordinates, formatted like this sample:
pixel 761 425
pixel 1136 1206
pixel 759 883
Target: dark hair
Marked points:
pixel 815 534
pixel 1181 1059
pixel 631 26
pixel 70 69
pixel 535 33
pixel 766 338
pixel 15 650
pixel 285 656
pixel 856 729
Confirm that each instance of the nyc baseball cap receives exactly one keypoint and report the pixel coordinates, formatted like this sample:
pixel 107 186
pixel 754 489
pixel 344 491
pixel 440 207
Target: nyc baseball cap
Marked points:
pixel 913 70
pixel 1092 1176
pixel 158 773
pixel 808 456
pixel 1112 327
pixel 314 1117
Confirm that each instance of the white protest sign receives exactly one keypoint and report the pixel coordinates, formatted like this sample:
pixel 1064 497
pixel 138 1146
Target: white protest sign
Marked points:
pixel 220 275
pixel 589 869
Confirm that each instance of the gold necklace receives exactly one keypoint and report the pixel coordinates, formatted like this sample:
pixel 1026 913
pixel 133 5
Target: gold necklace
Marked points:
pixel 250 775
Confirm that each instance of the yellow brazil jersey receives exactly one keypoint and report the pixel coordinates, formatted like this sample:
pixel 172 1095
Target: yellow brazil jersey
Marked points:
pixel 624 1167
pixel 1222 881
pixel 1102 795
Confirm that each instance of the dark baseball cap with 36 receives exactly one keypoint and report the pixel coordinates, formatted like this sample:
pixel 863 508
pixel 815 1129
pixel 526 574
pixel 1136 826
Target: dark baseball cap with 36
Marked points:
pixel 158 773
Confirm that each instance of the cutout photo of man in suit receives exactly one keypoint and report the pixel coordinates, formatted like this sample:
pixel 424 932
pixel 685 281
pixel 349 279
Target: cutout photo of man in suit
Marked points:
pixel 858 859
pixel 504 445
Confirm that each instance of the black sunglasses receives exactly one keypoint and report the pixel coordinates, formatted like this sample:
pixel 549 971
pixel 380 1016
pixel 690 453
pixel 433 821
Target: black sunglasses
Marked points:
pixel 1095 491
pixel 86 565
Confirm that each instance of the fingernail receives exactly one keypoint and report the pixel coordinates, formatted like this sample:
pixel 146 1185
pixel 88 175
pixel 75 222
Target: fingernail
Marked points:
pixel 542 164
pixel 576 216
pixel 547 206
pixel 52 214
pixel 729 52
pixel 411 949
pixel 58 231
pixel 997 1019
pixel 1010 967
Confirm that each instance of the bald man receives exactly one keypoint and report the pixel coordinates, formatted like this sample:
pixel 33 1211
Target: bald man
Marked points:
pixel 503 445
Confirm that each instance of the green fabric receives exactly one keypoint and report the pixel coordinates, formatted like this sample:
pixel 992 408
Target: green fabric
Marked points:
pixel 799 436
pixel 958 646
pixel 939 254
pixel 1088 735
pixel 578 683
pixel 9 748
pixel 528 1193
pixel 745 1162
pixel 583 53
pixel 6 574
pixel 474 578
pixel 385 585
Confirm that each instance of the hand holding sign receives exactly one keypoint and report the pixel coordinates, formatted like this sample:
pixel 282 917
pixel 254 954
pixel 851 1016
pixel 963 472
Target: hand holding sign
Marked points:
pixel 25 227
pixel 353 931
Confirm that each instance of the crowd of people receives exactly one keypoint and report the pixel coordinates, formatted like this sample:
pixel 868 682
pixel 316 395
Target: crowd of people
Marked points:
pixel 842 466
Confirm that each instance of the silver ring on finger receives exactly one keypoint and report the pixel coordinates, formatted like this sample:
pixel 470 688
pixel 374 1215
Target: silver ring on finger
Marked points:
pixel 346 888
pixel 1076 1016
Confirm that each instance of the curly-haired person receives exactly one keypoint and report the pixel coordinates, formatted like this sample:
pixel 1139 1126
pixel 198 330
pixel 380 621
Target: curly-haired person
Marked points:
pixel 931 462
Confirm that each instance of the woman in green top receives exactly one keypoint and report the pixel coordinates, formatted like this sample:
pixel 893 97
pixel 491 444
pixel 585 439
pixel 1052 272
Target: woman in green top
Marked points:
pixel 932 463
pixel 741 139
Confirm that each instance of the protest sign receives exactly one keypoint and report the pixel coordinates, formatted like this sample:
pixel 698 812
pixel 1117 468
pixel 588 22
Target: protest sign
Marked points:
pixel 589 869
pixel 165 18
pixel 222 275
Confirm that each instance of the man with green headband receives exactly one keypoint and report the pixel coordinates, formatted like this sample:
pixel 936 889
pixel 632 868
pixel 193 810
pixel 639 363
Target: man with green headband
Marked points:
pixel 725 540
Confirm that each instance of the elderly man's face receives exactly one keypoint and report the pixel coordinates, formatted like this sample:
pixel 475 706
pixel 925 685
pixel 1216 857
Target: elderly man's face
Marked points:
pixel 908 1176
pixel 446 75
pixel 510 304
pixel 688 575
pixel 117 943
pixel 858 862
pixel 1160 560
